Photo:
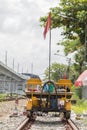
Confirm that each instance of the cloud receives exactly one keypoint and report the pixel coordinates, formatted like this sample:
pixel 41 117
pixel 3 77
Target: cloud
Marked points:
pixel 21 35
pixel 17 15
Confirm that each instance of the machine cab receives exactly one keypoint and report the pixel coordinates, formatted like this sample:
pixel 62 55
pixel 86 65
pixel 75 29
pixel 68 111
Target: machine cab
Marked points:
pixel 33 85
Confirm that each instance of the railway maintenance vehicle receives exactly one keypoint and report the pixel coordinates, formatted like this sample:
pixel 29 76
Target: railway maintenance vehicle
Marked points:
pixel 49 96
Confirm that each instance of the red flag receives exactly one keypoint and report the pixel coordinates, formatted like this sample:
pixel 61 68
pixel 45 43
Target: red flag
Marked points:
pixel 64 76
pixel 47 26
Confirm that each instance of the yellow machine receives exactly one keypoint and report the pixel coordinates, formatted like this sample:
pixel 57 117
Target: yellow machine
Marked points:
pixel 48 97
pixel 33 85
pixel 64 86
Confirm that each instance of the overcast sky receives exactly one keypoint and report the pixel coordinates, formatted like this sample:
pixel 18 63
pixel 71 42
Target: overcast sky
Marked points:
pixel 22 37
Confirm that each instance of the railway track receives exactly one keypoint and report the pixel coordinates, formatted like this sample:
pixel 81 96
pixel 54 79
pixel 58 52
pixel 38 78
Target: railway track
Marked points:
pixel 47 122
pixel 22 125
pixel 71 125
pixel 26 124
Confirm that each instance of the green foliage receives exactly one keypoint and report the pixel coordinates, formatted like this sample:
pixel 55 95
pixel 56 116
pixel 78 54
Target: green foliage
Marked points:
pixel 71 45
pixel 77 109
pixel 79 64
pixel 75 95
pixel 80 106
pixel 71 15
pixel 2 97
pixel 79 92
pixel 57 71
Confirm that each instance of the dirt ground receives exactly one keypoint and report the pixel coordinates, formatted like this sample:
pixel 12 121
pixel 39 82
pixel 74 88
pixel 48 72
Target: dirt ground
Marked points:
pixel 7 108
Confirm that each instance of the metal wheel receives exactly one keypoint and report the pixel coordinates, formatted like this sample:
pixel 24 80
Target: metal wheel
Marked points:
pixel 67 114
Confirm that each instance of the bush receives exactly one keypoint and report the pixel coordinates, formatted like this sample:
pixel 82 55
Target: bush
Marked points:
pixel 2 97
pixel 77 92
pixel 80 106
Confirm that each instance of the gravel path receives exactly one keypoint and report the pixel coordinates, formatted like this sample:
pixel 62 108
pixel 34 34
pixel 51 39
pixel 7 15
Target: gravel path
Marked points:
pixel 9 121
pixel 49 122
pixel 7 107
pixel 80 122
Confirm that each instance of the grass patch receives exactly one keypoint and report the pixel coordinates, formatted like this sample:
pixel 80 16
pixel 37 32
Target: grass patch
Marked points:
pixel 2 97
pixel 80 106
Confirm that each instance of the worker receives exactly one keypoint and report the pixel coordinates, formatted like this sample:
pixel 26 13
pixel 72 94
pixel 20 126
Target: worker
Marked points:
pixel 51 87
pixel 45 88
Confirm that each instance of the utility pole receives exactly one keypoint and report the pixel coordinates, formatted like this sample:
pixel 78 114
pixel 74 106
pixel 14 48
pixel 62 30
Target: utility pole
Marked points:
pixel 68 69
pixel 13 63
pixel 18 68
pixel 22 70
pixel 32 67
pixel 6 58
pixel 85 42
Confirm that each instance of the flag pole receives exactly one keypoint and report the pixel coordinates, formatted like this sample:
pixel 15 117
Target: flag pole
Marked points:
pixel 49 51
pixel 48 27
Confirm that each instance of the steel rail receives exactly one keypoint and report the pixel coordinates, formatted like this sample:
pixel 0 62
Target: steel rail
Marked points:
pixel 21 126
pixel 72 125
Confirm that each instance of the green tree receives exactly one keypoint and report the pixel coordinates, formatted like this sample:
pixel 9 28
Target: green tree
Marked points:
pixel 71 15
pixel 58 71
